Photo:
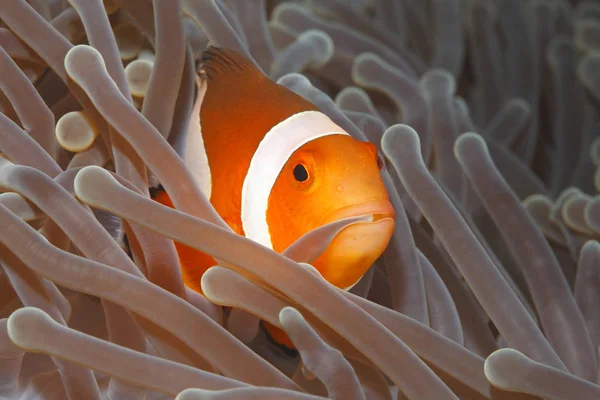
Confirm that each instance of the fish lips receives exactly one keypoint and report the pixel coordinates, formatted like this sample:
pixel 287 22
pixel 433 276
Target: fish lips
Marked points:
pixel 355 248
pixel 379 209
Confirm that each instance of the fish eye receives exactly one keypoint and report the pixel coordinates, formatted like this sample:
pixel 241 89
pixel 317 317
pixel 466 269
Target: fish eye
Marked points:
pixel 300 173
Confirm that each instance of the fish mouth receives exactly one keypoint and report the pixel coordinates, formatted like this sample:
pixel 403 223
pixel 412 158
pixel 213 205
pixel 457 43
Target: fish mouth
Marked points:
pixel 355 248
pixel 378 210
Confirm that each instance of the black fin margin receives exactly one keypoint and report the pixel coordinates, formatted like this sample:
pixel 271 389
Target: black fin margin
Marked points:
pixel 156 190
pixel 216 60
pixel 126 247
pixel 125 241
pixel 286 350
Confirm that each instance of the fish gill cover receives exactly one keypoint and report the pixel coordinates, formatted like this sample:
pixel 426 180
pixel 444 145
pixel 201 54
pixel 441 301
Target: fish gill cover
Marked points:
pixel 486 112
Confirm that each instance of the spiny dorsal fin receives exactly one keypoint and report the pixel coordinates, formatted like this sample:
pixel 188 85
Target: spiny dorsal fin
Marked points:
pixel 217 60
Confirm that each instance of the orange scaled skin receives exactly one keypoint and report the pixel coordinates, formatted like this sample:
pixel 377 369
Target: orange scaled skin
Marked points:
pixel 239 107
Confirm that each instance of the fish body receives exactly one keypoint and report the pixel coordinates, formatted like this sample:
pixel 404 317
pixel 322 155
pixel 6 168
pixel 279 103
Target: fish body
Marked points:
pixel 274 168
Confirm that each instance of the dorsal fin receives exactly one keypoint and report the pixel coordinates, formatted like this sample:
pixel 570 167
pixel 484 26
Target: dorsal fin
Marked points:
pixel 216 61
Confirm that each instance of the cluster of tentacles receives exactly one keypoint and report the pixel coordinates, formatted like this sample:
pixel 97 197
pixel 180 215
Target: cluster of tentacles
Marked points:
pixel 486 112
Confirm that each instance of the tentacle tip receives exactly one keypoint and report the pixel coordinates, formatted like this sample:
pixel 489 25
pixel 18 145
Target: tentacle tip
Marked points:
pixel 293 78
pixel 323 43
pixel 287 314
pixel 498 362
pixel 399 135
pixel 22 323
pixel 79 58
pixel 439 81
pixel 467 141
pixel 362 61
pixel 190 394
pixel 521 103
pixel 87 182
pixel 591 245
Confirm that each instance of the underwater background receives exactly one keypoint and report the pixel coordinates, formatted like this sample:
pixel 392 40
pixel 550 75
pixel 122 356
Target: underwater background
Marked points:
pixel 486 113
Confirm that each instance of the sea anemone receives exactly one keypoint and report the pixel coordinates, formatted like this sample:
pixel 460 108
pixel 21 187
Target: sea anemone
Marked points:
pixel 487 113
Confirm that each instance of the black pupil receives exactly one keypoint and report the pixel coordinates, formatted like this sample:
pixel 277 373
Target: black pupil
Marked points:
pixel 300 173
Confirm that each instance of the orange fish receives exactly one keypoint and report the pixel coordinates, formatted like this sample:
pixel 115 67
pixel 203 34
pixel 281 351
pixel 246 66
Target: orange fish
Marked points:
pixel 275 168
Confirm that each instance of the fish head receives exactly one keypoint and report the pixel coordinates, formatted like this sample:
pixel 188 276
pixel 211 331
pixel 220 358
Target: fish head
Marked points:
pixel 325 180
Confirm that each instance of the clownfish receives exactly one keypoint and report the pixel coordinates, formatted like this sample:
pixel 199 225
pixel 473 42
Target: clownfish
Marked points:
pixel 275 168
